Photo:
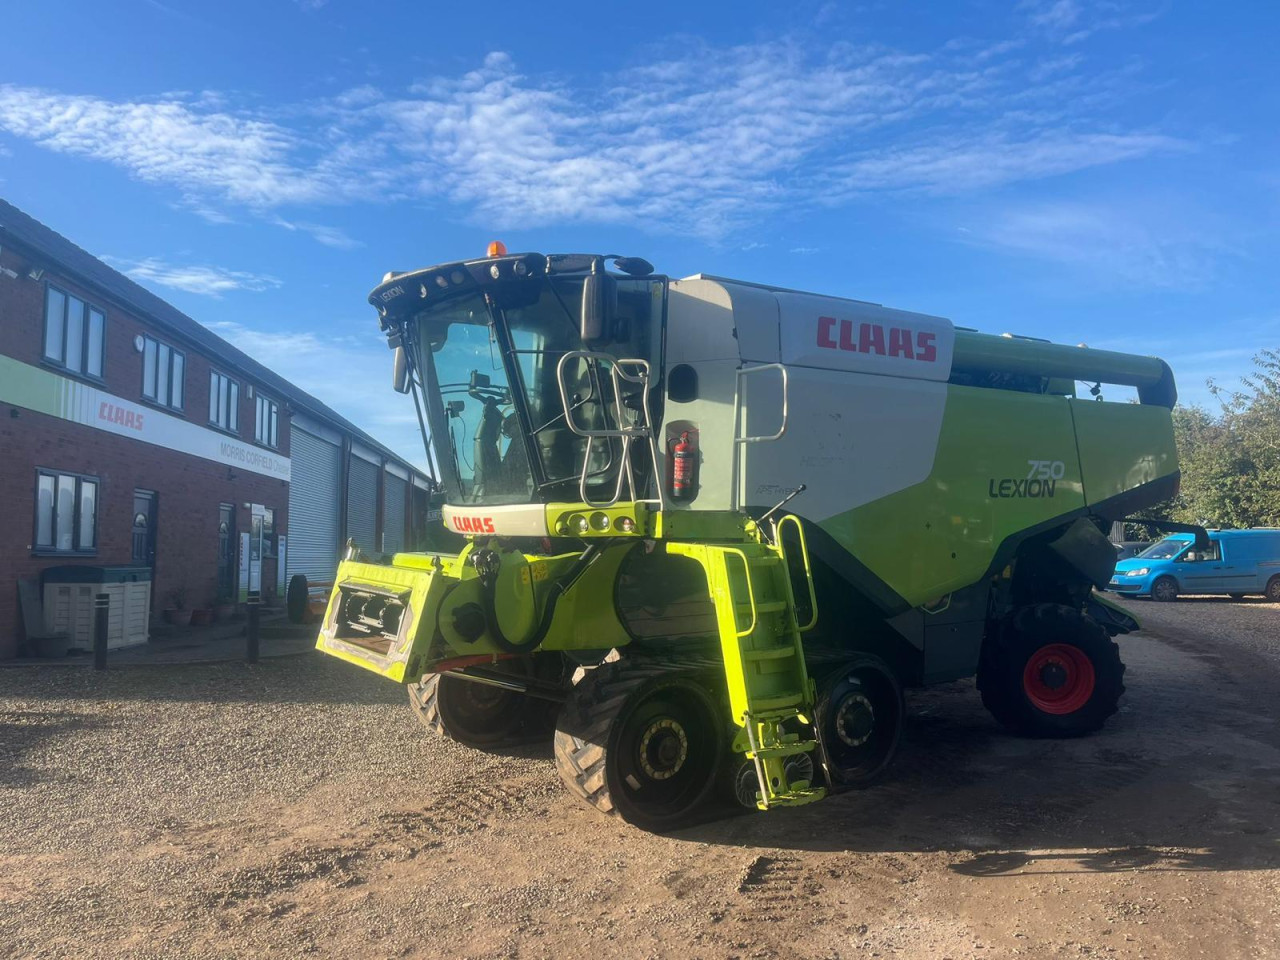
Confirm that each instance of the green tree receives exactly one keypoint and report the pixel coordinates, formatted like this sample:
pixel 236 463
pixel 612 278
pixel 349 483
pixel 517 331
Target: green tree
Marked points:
pixel 1231 459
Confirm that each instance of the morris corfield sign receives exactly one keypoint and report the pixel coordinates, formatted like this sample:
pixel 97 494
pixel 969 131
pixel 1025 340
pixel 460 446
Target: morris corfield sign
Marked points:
pixel 46 392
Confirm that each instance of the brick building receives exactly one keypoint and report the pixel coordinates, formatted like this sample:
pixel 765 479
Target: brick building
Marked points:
pixel 130 435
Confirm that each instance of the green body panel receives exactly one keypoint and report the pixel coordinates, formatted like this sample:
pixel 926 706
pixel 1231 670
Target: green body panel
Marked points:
pixel 942 534
pixel 1122 446
pixel 440 585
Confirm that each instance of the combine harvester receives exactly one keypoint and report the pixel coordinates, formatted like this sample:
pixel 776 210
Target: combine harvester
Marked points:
pixel 710 529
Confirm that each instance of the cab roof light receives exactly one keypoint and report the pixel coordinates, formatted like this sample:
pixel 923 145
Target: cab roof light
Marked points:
pixel 496 249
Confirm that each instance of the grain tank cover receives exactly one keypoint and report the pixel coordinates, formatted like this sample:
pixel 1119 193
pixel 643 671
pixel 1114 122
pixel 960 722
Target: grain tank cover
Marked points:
pixel 835 334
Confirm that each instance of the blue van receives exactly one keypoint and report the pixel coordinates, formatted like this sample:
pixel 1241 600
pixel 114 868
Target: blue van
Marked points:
pixel 1237 563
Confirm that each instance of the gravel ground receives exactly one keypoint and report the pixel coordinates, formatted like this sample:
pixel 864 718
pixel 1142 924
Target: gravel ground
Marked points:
pixel 296 807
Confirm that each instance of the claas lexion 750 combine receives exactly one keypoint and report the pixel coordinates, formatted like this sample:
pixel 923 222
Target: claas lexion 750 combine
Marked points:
pixel 708 530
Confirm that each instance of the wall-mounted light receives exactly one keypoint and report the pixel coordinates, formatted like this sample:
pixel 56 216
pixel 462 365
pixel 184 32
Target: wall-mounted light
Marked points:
pixel 35 273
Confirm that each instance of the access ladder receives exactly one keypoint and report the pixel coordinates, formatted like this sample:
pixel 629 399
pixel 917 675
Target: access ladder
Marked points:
pixel 770 693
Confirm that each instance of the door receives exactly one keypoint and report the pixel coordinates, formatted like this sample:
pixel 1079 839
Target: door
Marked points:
pixel 1200 571
pixel 394 494
pixel 226 551
pixel 144 529
pixel 362 504
pixel 314 505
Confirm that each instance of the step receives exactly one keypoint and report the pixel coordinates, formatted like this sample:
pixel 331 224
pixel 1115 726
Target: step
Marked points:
pixel 770 606
pixel 795 798
pixel 767 560
pixel 786 750
pixel 769 653
pixel 760 705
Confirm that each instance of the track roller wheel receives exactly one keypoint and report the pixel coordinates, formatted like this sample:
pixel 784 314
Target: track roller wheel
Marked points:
pixel 740 784
pixel 859 717
pixel 642 740
pixel 1054 672
pixel 481 716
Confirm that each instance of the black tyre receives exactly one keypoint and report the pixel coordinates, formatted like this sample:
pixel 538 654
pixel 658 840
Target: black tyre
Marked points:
pixel 297 598
pixel 477 715
pixel 1164 590
pixel 1053 672
pixel 1273 590
pixel 859 717
pixel 642 741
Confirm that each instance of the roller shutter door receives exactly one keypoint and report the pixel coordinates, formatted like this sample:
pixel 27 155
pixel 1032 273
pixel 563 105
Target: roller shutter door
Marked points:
pixel 314 541
pixel 362 504
pixel 393 511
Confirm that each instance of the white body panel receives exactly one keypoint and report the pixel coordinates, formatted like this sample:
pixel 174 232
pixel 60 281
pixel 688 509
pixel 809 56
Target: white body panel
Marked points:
pixel 865 396
pixel 851 438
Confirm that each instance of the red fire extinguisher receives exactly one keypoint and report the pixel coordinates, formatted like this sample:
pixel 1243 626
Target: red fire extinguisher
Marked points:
pixel 684 468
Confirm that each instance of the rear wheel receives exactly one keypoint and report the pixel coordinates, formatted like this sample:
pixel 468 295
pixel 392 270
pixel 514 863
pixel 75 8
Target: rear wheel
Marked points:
pixel 859 717
pixel 477 715
pixel 1053 672
pixel 1273 590
pixel 1164 589
pixel 642 740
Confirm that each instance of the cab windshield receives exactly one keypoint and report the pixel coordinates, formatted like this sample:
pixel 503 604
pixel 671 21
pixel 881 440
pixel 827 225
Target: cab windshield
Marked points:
pixel 1165 549
pixel 493 399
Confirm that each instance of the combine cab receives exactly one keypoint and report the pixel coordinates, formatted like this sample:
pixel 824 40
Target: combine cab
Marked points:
pixel 712 528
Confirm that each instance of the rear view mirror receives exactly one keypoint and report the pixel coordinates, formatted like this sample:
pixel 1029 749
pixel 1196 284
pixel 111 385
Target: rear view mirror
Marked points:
pixel 400 374
pixel 599 296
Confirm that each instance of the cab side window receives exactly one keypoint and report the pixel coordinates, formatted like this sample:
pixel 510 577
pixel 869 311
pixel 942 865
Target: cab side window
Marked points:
pixel 1195 555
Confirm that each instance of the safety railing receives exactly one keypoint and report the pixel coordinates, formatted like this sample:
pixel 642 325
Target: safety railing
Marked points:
pixel 622 372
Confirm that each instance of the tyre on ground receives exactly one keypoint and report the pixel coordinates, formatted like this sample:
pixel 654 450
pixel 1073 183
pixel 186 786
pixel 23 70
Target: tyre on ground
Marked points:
pixel 1051 672
pixel 1164 589
pixel 478 715
pixel 643 741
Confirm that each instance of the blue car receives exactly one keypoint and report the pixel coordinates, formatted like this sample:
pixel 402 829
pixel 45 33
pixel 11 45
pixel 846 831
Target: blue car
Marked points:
pixel 1237 563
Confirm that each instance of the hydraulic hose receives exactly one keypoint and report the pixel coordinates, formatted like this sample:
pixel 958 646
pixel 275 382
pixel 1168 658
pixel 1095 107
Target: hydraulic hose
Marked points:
pixel 556 591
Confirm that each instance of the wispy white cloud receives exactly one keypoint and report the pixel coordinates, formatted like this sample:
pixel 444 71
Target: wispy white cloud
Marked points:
pixel 699 138
pixel 329 236
pixel 964 164
pixel 1116 243
pixel 1073 21
pixel 207 281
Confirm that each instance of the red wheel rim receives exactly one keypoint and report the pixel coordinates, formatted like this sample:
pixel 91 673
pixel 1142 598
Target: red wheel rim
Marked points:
pixel 1058 678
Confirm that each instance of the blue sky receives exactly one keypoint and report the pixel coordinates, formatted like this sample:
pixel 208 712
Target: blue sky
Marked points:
pixel 1083 170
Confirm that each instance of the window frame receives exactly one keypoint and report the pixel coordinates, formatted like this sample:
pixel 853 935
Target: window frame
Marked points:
pixel 266 411
pixel 232 408
pixel 174 355
pixel 77 550
pixel 86 335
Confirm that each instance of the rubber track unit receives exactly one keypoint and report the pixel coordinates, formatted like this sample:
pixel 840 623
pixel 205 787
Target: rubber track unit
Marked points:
pixel 1029 629
pixel 596 702
pixel 533 724
pixel 425 700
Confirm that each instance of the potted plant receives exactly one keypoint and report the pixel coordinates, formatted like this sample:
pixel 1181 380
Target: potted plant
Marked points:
pixel 177 613
pixel 224 608
pixel 202 616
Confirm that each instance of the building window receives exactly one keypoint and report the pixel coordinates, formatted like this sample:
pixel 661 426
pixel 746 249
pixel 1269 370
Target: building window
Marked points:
pixel 73 333
pixel 163 373
pixel 66 512
pixel 266 426
pixel 224 402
